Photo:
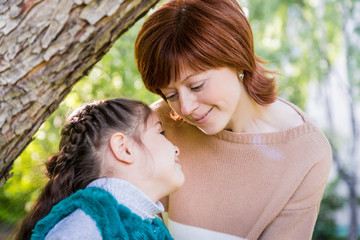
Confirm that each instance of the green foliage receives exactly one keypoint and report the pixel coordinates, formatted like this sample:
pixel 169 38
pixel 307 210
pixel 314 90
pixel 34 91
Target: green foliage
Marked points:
pixel 300 38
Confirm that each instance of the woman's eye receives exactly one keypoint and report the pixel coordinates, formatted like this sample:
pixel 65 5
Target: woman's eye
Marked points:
pixel 198 87
pixel 171 97
pixel 162 132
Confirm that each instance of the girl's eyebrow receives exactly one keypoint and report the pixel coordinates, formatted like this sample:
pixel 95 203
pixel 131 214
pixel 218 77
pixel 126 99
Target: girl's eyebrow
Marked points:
pixel 158 123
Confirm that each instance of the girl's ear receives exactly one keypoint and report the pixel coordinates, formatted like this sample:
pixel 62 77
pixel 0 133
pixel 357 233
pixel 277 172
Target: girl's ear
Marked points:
pixel 120 147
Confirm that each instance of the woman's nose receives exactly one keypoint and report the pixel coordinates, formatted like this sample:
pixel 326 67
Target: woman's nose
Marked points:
pixel 188 103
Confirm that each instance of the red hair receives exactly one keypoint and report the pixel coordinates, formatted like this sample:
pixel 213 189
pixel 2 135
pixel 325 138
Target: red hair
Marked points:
pixel 200 34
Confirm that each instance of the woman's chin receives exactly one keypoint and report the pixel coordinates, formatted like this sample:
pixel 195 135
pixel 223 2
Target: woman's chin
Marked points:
pixel 210 131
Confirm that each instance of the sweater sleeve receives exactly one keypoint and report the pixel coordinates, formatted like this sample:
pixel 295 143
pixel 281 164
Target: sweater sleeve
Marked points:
pixel 77 225
pixel 297 219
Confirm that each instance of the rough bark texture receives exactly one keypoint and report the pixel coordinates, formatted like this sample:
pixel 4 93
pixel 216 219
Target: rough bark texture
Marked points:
pixel 46 46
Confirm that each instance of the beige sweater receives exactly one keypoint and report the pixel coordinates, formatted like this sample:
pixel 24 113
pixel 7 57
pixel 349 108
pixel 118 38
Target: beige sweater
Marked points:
pixel 253 186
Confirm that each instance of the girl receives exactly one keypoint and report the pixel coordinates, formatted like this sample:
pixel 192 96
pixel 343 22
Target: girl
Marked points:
pixel 256 167
pixel 113 166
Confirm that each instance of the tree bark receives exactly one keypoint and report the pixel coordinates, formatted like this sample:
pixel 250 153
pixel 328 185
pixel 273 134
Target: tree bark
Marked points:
pixel 46 46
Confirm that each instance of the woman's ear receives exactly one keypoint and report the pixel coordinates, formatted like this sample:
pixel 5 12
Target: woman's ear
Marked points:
pixel 120 147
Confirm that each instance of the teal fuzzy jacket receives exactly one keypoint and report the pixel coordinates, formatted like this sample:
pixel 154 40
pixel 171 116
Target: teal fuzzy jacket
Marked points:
pixel 114 221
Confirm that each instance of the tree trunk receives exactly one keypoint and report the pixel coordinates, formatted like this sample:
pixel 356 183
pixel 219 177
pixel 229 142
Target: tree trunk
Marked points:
pixel 353 231
pixel 348 174
pixel 45 48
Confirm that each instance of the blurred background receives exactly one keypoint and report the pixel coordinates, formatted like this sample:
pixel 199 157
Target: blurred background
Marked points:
pixel 315 46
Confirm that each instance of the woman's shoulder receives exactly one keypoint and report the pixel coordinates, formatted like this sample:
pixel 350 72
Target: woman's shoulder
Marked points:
pixel 160 107
pixel 298 119
pixel 288 115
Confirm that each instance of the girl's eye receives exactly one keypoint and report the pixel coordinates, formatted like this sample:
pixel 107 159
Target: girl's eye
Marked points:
pixel 162 132
pixel 198 87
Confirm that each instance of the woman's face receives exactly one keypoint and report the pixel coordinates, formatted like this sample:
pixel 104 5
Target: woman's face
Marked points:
pixel 209 100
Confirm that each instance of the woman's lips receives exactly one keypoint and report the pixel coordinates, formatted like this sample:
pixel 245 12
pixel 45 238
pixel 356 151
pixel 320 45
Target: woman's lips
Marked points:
pixel 204 118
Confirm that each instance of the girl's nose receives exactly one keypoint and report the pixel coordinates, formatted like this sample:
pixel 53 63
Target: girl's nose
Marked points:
pixel 177 151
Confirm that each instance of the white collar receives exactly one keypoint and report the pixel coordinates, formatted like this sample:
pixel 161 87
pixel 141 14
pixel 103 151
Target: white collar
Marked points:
pixel 130 196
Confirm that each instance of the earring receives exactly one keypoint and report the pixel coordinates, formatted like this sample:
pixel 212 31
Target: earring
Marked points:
pixel 241 76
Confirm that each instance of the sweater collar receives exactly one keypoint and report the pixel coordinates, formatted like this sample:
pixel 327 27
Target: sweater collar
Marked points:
pixel 130 196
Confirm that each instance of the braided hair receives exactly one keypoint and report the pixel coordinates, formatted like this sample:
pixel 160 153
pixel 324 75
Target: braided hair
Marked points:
pixel 78 161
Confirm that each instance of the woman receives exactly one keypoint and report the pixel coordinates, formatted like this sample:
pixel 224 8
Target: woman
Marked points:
pixel 255 166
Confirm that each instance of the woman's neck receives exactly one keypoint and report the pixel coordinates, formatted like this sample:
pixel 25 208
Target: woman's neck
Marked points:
pixel 248 116
pixel 251 117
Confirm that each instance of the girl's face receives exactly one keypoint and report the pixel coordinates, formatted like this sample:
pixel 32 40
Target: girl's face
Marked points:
pixel 162 157
pixel 209 100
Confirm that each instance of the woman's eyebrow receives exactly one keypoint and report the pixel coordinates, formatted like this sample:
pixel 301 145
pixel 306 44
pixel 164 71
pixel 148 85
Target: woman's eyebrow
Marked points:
pixel 190 75
pixel 185 79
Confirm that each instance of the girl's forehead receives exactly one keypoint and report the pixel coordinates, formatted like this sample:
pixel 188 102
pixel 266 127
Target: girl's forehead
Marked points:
pixel 153 119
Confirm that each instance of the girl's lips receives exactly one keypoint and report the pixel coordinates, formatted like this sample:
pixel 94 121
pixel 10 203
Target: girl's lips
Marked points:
pixel 204 118
pixel 177 162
